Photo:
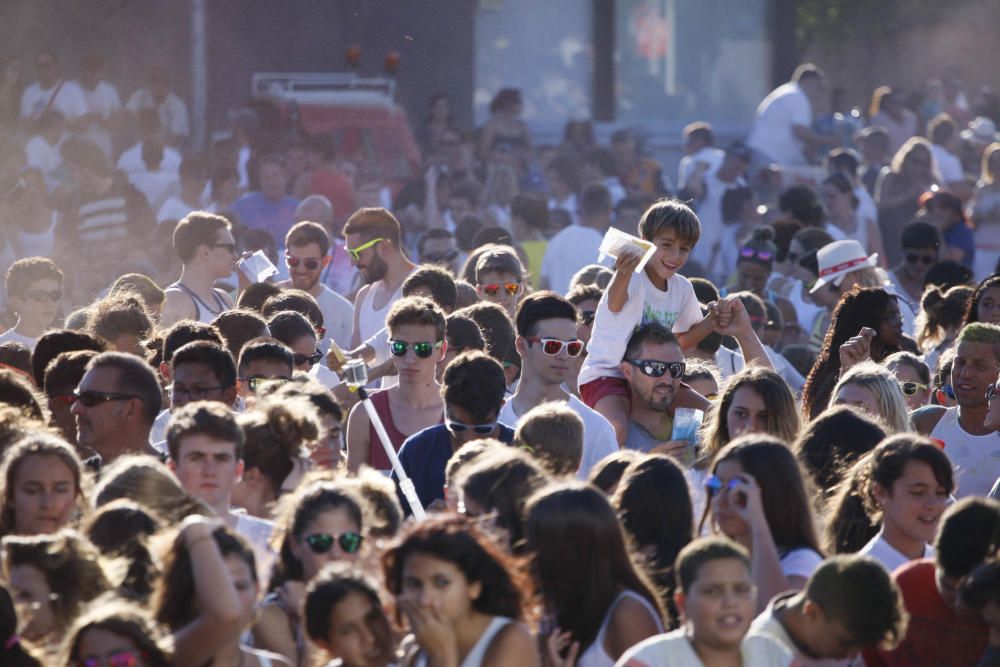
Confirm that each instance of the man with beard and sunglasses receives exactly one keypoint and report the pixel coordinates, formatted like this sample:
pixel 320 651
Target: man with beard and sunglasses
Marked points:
pixel 307 254
pixel 373 237
pixel 547 343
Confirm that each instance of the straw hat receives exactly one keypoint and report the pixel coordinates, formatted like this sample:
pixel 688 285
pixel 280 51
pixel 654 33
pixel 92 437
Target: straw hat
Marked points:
pixel 839 258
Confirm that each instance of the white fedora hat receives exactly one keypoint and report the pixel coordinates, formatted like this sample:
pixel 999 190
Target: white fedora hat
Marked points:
pixel 839 258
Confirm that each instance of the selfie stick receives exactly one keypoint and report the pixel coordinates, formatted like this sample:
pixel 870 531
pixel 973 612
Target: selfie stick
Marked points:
pixel 356 379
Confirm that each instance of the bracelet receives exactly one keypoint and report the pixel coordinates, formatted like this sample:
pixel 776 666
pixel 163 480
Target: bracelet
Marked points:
pixel 190 544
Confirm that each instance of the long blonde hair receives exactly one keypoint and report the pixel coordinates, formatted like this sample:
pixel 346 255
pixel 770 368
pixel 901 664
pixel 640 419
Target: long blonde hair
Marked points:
pixel 878 380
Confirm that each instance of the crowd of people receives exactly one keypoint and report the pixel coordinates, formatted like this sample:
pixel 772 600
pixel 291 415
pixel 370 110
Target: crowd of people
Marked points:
pixel 441 427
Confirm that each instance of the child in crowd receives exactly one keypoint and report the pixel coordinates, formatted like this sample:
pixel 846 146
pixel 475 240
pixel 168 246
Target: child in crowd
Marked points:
pixel 716 596
pixel 34 290
pixel 656 294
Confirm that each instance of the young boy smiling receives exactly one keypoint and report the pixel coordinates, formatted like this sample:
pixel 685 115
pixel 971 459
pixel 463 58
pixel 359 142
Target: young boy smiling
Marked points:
pixel 34 289
pixel 656 294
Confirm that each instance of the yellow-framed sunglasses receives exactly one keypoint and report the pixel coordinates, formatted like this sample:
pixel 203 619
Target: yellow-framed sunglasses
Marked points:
pixel 355 253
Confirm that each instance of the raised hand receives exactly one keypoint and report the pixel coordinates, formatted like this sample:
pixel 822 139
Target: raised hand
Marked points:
pixel 556 643
pixel 856 349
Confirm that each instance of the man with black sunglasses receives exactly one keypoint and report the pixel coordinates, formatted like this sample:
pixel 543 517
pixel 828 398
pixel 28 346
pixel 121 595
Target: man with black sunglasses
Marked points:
pixel 307 254
pixel 34 289
pixel 473 393
pixel 116 403
pixel 921 243
pixel 205 245
pixel 547 343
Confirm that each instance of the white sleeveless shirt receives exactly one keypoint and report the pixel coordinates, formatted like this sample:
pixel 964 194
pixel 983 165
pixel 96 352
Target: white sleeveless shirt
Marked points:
pixel 976 458
pixel 371 321
pixel 478 652
pixel 595 655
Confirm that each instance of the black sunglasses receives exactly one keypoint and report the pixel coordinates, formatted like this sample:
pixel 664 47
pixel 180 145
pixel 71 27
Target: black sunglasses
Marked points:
pixel 301 359
pixel 310 263
pixel 320 543
pixel 446 256
pixel 90 399
pixel 914 258
pixel 657 369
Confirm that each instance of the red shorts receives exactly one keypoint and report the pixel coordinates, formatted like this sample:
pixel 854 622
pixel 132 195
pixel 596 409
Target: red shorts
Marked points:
pixel 593 391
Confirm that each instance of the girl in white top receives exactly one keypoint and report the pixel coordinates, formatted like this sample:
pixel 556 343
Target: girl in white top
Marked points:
pixel 345 618
pixel 574 536
pixel 757 496
pixel 457 591
pixel 908 485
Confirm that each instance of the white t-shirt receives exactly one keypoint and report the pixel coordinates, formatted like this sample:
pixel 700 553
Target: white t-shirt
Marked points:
pixel 103 100
pixel 800 562
pixel 70 100
pixel 338 316
pixel 675 649
pixel 598 435
pixel 257 531
pixel 43 156
pixel 867 210
pixel 708 251
pixel 175 208
pixel 131 160
pixel 976 458
pixel 567 252
pixel 324 376
pixel 768 625
pixel 12 336
pixel 676 308
pixel 784 368
pixel 568 205
pixel 729 362
pixel 710 155
pixel 772 132
pixel 886 554
pixel 948 164
pixel 173 112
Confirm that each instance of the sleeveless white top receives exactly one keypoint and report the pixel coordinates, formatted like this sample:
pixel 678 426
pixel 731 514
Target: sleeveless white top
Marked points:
pixel 39 244
pixel 204 311
pixel 478 652
pixel 371 321
pixel 976 458
pixel 595 655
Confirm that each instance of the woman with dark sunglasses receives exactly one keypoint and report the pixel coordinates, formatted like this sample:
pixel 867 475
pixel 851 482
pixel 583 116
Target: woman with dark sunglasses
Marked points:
pixel 461 595
pixel 758 496
pixel 321 523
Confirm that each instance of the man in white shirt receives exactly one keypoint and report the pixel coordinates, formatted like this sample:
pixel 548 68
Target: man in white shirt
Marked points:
pixel 547 343
pixel 307 253
pixel 206 453
pixel 51 91
pixel 171 109
pixel 103 102
pixel 708 188
pixel 193 174
pixel 945 142
pixel 576 246
pixel 782 131
pixel 972 446
pixel 699 148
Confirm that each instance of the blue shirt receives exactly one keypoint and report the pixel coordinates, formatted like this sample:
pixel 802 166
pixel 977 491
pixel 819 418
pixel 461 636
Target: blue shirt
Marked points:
pixel 425 455
pixel 960 236
pixel 275 217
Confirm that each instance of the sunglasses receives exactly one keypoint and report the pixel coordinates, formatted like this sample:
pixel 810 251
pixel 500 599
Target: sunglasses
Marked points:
pixel 914 258
pixel 493 289
pixel 90 399
pixel 553 346
pixel 751 253
pixel 657 369
pixel 302 359
pixel 586 317
pixel 40 296
pixel 422 350
pixel 194 393
pixel 257 381
pixel 355 253
pixel 479 429
pixel 320 543
pixel 310 263
pixel 992 392
pixel 119 659
pixel 911 388
pixel 445 256
pixel 715 486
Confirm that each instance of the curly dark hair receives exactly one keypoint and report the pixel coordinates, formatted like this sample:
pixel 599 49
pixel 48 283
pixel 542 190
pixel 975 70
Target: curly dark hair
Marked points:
pixel 861 307
pixel 455 540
